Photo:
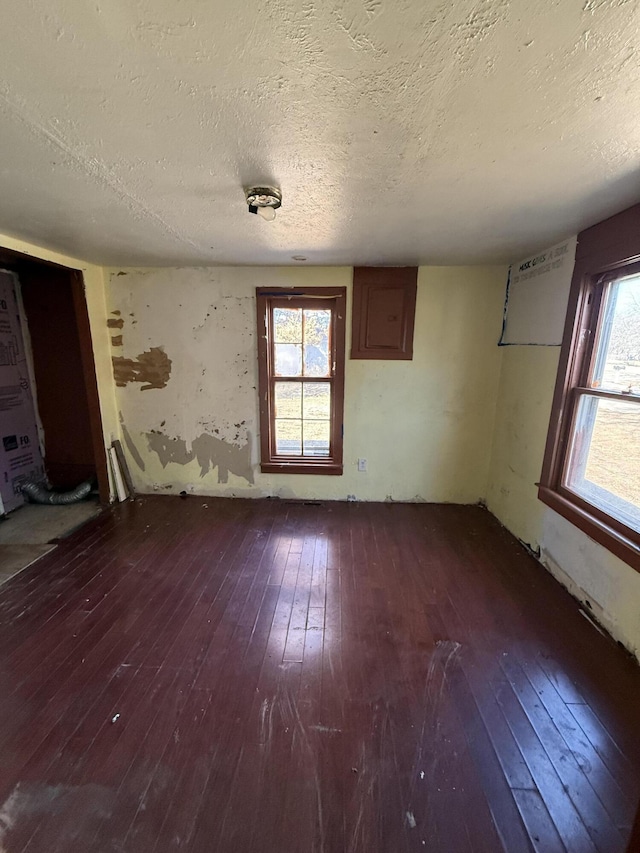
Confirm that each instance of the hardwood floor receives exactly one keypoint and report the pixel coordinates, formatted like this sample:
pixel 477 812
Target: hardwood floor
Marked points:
pixel 221 675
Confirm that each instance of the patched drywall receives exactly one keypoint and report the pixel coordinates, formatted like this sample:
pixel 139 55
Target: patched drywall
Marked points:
pixel 424 426
pixel 210 452
pixel 151 369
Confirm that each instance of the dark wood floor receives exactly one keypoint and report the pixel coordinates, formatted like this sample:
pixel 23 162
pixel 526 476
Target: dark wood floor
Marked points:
pixel 211 675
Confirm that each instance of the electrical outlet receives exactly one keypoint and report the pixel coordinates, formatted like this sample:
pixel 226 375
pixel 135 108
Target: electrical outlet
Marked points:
pixel 362 464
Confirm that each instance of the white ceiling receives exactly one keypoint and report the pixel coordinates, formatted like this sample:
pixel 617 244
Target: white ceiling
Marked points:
pixel 400 131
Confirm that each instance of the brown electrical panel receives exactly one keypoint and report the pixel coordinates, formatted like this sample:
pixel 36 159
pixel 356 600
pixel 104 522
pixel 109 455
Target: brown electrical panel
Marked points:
pixel 384 307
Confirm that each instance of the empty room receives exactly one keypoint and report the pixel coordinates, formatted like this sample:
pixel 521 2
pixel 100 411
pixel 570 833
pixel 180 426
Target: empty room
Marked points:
pixel 320 427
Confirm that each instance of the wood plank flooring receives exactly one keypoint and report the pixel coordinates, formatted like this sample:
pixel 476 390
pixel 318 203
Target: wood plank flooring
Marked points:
pixel 217 676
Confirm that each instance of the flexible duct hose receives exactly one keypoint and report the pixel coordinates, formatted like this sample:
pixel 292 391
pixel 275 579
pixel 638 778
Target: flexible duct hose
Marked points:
pixel 39 494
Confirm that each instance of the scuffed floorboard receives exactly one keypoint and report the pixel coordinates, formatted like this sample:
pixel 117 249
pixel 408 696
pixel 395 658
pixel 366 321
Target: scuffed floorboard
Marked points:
pixel 219 675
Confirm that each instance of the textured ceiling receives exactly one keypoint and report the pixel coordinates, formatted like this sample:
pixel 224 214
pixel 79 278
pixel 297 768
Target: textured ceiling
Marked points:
pixel 400 131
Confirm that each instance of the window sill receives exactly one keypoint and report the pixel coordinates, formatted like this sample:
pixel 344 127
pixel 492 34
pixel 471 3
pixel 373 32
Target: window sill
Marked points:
pixel 608 537
pixel 324 468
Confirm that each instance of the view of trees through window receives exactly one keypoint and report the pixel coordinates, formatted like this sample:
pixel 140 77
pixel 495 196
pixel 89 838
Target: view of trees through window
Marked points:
pixel 301 354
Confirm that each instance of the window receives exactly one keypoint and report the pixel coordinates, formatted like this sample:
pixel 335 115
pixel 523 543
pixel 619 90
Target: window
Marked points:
pixel 301 336
pixel 605 438
pixel 591 473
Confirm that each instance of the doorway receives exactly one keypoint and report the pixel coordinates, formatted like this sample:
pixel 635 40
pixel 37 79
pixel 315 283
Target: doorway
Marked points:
pixel 57 334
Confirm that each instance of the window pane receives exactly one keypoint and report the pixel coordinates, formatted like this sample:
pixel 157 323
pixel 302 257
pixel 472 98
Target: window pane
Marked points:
pixel 288 399
pixel 317 401
pixel 288 437
pixel 316 438
pixel 288 359
pixel 604 460
pixel 287 325
pixel 316 342
pixel 617 362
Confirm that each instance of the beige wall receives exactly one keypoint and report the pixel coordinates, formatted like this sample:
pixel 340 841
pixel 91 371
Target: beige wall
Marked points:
pixel 527 379
pixel 94 280
pixel 424 426
pixel 588 570
pixel 463 421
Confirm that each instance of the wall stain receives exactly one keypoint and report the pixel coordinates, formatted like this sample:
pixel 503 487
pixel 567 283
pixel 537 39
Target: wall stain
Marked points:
pixel 116 340
pixel 117 313
pixel 115 324
pixel 209 451
pixel 133 450
pixel 152 367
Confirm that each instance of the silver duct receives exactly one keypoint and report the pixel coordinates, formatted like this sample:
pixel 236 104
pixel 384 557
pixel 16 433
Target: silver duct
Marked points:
pixel 38 493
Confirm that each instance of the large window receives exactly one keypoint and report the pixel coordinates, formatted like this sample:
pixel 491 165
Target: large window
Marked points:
pixel 301 371
pixel 605 439
pixel 591 473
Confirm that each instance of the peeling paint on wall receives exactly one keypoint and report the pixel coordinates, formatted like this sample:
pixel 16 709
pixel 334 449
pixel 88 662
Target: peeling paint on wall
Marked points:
pixel 130 444
pixel 169 449
pixel 210 452
pixel 152 367
pixel 116 340
pixel 115 324
pixel 447 425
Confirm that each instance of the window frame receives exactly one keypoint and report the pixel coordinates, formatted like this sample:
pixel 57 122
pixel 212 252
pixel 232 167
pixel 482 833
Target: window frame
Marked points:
pixel 268 298
pixel 606 253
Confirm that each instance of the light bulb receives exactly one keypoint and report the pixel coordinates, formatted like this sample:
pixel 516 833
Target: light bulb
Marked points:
pixel 267 213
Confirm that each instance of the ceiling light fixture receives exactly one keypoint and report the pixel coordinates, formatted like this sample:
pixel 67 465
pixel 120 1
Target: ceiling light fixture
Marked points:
pixel 264 201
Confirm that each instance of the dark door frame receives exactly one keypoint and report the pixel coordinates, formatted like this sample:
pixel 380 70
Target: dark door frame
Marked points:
pixel 14 260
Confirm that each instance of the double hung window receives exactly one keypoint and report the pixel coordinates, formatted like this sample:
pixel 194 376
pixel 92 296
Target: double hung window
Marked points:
pixel 591 471
pixel 602 466
pixel 301 372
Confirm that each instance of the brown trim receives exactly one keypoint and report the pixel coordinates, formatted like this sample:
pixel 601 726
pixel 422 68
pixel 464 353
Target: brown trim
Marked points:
pixel 301 468
pixel 587 522
pixel 13 258
pixel 363 319
pixel 266 299
pixel 91 383
pixel 614 241
pixel 263 377
pixel 567 369
pixel 16 260
pixel 599 516
pixel 606 252
pixel 620 396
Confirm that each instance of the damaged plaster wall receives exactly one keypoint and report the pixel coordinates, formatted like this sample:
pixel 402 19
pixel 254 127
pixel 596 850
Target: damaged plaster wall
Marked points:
pixel 589 571
pixel 424 426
